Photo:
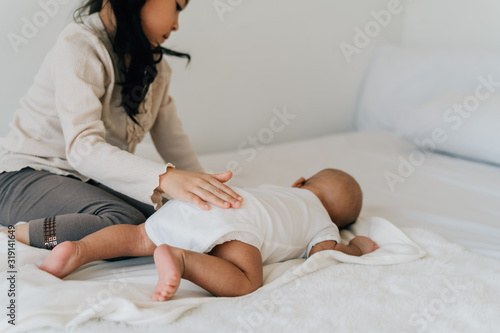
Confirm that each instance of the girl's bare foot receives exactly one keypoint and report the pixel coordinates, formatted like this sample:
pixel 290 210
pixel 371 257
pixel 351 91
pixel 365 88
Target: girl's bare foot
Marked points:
pixel 170 266
pixel 365 244
pixel 63 259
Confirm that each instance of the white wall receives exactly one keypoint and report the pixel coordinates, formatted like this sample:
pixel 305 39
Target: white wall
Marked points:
pixel 270 54
pixel 263 55
pixel 20 62
pixel 456 24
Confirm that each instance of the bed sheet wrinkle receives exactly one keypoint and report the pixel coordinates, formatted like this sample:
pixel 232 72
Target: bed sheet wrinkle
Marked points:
pixel 114 294
pixel 448 208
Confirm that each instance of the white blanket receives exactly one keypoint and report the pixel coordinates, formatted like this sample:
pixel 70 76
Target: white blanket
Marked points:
pixel 448 290
pixel 340 291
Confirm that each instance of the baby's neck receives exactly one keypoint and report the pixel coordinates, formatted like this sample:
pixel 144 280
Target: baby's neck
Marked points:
pixel 316 192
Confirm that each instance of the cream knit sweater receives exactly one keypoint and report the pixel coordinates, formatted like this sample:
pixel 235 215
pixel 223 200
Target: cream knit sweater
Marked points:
pixel 70 121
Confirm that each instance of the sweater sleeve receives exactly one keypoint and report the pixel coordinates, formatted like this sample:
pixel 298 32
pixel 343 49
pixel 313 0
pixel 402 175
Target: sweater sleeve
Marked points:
pixel 80 79
pixel 168 135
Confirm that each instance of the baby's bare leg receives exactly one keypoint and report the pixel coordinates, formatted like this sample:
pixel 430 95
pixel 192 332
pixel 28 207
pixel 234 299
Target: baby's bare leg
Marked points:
pixel 230 269
pixel 111 242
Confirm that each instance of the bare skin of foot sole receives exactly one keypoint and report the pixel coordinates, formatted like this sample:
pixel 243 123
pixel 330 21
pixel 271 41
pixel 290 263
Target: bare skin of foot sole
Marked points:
pixel 63 260
pixel 170 268
pixel 365 244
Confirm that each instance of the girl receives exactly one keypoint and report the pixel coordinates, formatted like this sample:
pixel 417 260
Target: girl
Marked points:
pixel 67 166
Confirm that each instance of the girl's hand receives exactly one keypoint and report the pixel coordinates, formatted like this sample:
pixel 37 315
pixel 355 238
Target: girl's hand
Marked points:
pixel 200 188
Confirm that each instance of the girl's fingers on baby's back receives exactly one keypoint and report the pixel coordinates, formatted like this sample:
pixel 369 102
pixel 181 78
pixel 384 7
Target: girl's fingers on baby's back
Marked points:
pixel 208 196
pixel 225 192
pixel 218 181
pixel 197 201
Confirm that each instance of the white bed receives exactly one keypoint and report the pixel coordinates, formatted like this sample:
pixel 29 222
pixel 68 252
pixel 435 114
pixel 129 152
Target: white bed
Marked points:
pixel 448 207
pixel 457 198
pixel 454 198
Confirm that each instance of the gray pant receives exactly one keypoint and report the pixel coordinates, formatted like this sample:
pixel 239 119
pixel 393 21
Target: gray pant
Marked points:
pixel 60 208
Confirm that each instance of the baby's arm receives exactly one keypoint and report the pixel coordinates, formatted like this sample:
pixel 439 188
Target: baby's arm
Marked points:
pixel 358 246
pixel 322 246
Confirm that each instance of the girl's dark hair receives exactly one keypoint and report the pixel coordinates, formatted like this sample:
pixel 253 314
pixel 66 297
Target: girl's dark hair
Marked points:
pixel 130 39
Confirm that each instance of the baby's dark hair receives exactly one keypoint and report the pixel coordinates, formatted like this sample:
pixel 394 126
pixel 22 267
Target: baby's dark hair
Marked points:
pixel 342 195
pixel 130 39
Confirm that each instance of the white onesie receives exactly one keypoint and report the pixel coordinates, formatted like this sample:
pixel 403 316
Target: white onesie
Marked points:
pixel 283 223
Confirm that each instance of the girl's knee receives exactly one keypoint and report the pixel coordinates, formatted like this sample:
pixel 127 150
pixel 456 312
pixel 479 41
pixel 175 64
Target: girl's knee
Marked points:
pixel 123 214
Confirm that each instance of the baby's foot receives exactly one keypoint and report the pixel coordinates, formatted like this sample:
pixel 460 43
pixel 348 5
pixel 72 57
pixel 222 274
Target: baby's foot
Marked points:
pixel 365 244
pixel 63 259
pixel 170 268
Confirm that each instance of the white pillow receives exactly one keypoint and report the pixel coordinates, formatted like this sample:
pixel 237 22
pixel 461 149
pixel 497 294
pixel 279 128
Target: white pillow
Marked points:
pixel 459 124
pixel 400 79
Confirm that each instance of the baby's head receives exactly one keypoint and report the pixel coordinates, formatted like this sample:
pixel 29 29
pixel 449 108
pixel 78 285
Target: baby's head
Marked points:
pixel 339 192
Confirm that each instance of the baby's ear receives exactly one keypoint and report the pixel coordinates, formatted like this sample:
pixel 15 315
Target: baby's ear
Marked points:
pixel 299 182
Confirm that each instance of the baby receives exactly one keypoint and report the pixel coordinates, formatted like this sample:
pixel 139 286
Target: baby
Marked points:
pixel 224 250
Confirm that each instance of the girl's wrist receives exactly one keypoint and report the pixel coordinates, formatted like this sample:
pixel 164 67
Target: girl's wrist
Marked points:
pixel 163 178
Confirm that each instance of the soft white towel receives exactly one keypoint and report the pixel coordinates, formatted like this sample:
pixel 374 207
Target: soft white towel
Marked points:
pixel 121 291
